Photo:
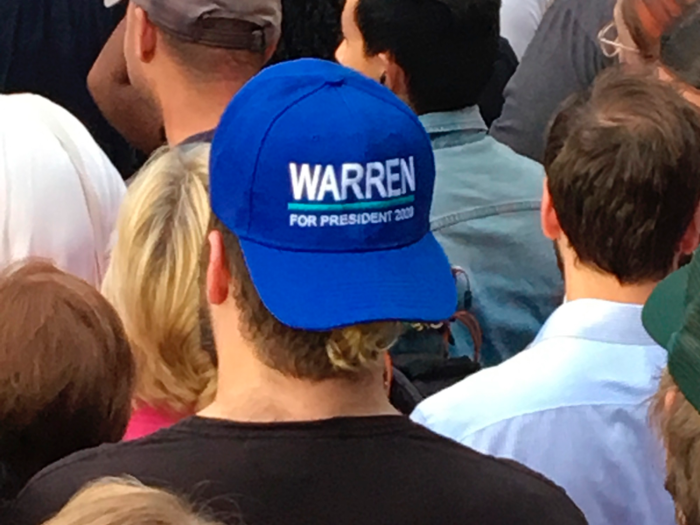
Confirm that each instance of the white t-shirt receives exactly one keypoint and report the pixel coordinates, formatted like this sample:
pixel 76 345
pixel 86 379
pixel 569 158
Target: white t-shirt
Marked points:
pixel 519 21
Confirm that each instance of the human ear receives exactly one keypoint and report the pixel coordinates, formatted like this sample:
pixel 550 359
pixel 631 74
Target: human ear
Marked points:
pixel 145 34
pixel 394 76
pixel 691 237
pixel 548 215
pixel 218 273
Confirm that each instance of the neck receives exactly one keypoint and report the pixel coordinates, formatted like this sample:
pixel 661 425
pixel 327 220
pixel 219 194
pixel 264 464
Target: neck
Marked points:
pixel 249 391
pixel 188 111
pixel 587 283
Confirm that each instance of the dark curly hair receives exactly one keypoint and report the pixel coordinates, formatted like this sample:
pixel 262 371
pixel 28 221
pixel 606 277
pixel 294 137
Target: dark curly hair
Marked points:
pixel 310 29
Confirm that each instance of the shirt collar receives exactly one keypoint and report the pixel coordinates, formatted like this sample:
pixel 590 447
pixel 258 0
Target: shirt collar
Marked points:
pixel 597 320
pixel 204 136
pixel 467 119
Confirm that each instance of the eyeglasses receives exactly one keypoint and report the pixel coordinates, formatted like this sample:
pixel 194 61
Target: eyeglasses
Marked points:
pixel 610 43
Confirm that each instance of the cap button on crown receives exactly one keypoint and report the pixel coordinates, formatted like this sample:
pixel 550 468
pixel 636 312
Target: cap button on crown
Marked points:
pixel 337 81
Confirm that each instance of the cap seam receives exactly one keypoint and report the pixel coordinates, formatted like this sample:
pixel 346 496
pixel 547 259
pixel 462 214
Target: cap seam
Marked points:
pixel 400 106
pixel 264 140
pixel 182 35
pixel 344 251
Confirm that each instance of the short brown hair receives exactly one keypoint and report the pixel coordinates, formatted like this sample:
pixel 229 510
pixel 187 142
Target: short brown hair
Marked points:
pixel 625 181
pixel 562 124
pixel 679 427
pixel 297 353
pixel 208 63
pixel 67 370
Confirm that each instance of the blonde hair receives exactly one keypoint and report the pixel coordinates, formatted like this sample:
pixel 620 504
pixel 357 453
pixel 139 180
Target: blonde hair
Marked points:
pixel 153 279
pixel 303 354
pixel 679 428
pixel 114 501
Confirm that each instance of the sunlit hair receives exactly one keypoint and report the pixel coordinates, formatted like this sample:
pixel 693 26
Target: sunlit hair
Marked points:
pixel 153 279
pixel 679 427
pixel 314 356
pixel 113 501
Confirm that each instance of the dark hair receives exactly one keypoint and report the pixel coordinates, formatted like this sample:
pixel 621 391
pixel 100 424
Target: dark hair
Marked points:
pixel 561 125
pixel 67 371
pixel 310 29
pixel 447 48
pixel 626 182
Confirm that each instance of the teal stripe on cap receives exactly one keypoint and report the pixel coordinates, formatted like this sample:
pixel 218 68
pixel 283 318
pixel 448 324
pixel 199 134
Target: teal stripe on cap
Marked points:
pixel 370 205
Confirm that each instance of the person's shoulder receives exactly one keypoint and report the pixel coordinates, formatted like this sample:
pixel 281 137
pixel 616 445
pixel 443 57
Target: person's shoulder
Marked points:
pixel 504 392
pixel 514 161
pixel 115 455
pixel 79 459
pixel 492 166
pixel 500 486
pixel 588 15
pixel 538 499
pixel 52 487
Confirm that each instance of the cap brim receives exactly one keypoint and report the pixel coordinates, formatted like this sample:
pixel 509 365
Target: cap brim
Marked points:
pixel 323 291
pixel 664 312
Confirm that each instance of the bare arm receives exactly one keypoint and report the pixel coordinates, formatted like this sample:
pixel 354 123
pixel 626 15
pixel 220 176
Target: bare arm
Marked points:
pixel 130 113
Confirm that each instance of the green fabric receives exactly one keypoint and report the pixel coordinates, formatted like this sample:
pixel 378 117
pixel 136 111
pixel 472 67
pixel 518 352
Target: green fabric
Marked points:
pixel 665 310
pixel 672 318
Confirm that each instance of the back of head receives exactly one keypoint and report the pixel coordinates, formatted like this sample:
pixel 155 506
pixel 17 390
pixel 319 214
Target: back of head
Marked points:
pixel 446 48
pixel 153 279
pixel 126 502
pixel 59 193
pixel 309 30
pixel 209 41
pixel 312 355
pixel 321 242
pixel 67 370
pixel 623 173
pixel 202 64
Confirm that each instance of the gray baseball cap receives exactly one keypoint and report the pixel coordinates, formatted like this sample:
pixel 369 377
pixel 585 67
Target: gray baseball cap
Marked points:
pixel 251 25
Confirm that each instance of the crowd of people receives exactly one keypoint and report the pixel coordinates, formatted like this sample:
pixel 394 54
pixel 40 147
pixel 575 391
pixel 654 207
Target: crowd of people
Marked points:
pixel 349 261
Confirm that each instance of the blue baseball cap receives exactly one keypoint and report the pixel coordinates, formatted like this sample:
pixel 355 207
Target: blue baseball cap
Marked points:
pixel 326 178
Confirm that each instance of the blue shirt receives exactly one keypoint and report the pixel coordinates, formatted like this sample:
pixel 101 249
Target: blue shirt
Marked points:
pixel 574 408
pixel 486 216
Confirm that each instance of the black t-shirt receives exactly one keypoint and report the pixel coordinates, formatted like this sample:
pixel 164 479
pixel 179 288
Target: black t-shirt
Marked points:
pixel 48 47
pixel 203 137
pixel 346 471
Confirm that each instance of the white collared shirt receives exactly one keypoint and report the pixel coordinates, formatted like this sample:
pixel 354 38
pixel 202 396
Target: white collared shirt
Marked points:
pixel 574 407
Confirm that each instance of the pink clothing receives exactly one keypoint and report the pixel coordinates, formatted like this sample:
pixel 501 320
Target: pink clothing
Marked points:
pixel 147 420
